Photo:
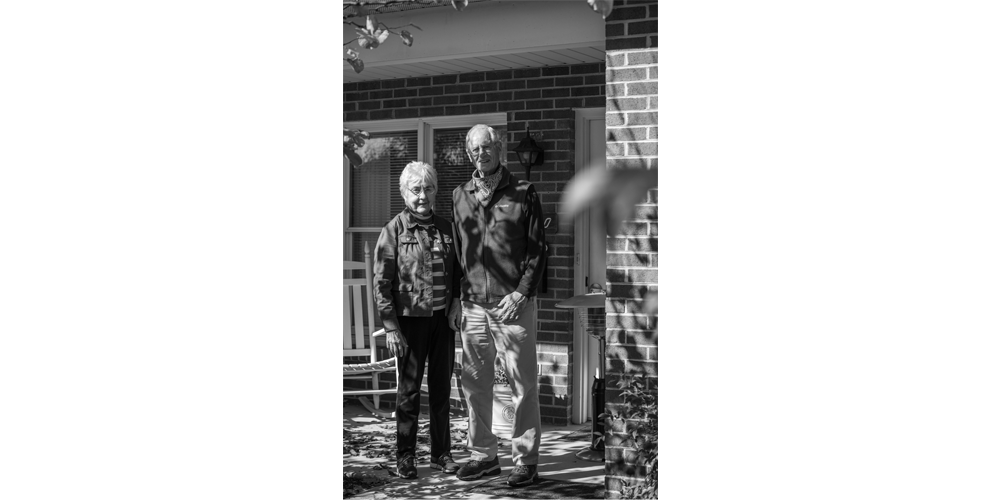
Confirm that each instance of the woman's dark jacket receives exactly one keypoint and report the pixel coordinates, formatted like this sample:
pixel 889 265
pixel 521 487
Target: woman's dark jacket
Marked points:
pixel 402 268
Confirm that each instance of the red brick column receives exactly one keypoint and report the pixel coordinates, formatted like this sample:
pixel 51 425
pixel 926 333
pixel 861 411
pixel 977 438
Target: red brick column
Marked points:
pixel 632 254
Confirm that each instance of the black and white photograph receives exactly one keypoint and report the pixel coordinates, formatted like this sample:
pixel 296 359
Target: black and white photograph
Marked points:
pixel 500 242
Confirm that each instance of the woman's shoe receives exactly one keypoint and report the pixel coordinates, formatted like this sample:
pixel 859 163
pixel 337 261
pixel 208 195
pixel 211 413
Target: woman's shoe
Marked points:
pixel 405 467
pixel 445 464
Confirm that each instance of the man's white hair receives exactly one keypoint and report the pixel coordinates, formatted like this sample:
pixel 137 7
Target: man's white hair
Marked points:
pixel 495 139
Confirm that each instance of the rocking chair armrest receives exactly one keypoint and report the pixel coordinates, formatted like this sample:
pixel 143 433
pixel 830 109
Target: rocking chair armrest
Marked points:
pixel 378 333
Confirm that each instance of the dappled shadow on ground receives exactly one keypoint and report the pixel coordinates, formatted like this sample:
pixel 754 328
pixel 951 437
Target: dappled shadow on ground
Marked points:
pixel 542 488
pixel 370 450
pixel 370 446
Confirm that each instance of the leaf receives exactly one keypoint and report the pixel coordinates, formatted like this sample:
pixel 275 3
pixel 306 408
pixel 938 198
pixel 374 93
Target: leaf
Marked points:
pixel 357 64
pixel 381 35
pixel 354 158
pixel 355 139
pixel 611 193
pixel 407 38
pixel 352 54
pixel 459 5
pixel 602 7
pixel 372 23
pixel 367 40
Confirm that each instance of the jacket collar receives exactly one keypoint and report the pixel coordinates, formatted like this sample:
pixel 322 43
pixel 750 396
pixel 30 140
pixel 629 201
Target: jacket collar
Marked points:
pixel 411 222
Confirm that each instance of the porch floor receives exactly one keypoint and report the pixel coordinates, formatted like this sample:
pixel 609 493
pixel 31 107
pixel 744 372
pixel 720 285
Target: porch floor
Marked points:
pixel 370 450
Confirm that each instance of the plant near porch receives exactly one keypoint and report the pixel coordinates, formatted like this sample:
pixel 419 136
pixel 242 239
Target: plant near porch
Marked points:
pixel 637 421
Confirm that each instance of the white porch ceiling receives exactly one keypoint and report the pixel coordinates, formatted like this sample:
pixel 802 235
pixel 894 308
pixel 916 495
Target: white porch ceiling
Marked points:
pixel 530 59
pixel 485 36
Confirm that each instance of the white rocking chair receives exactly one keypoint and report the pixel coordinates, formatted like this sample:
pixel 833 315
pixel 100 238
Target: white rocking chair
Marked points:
pixel 359 337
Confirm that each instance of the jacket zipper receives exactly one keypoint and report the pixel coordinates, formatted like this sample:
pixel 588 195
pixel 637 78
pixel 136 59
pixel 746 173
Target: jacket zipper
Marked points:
pixel 485 234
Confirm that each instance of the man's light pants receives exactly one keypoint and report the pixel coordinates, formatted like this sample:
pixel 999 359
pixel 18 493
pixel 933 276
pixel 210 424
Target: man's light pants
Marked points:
pixel 483 336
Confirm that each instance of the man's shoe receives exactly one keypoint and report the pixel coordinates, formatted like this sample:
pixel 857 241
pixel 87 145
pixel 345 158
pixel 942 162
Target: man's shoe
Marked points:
pixel 405 467
pixel 445 464
pixel 522 475
pixel 475 469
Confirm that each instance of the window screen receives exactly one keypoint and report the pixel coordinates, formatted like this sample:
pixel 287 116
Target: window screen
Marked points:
pixel 375 185
pixel 374 192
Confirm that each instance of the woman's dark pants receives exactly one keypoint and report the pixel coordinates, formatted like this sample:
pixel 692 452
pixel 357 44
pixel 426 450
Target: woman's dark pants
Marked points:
pixel 431 340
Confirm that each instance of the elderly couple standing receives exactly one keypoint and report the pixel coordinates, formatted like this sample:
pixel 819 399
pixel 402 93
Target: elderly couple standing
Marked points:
pixel 492 254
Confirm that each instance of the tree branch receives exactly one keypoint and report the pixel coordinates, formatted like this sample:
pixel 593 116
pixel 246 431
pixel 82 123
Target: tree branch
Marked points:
pixel 377 4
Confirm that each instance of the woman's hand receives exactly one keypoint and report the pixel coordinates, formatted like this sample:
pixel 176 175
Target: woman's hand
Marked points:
pixel 455 316
pixel 394 340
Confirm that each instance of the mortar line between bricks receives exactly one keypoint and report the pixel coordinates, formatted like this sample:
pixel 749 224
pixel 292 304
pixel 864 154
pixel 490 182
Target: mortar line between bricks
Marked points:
pixel 635 66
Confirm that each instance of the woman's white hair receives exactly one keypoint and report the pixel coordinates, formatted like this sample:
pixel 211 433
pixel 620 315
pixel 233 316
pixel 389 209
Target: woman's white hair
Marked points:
pixel 495 139
pixel 417 170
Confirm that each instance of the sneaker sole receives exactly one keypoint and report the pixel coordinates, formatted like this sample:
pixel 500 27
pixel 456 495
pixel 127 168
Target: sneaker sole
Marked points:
pixel 493 471
pixel 442 469
pixel 524 483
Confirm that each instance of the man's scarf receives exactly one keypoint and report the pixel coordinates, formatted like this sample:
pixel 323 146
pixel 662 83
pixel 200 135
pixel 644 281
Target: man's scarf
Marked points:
pixel 485 185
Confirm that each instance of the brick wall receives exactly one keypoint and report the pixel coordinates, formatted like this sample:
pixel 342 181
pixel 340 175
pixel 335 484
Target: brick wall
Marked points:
pixel 542 99
pixel 631 44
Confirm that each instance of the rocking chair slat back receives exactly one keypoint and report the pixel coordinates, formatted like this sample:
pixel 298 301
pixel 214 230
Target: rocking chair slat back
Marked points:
pixel 359 333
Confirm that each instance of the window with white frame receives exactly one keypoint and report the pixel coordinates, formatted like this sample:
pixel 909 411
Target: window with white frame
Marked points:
pixel 372 191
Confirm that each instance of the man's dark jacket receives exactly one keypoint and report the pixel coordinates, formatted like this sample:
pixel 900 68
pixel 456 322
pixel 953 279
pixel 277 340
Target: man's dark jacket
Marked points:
pixel 404 285
pixel 500 246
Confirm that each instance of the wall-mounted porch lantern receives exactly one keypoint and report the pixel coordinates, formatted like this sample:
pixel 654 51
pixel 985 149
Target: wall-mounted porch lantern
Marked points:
pixel 529 154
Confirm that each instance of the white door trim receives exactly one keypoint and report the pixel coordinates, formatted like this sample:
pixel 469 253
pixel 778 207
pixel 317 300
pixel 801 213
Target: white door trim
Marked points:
pixel 582 371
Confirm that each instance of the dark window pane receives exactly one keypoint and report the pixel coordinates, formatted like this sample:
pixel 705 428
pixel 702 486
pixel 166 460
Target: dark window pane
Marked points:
pixel 375 185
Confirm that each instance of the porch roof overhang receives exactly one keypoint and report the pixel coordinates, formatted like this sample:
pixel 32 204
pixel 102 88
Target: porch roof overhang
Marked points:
pixel 485 36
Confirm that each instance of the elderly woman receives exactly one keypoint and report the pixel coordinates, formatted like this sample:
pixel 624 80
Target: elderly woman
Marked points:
pixel 416 274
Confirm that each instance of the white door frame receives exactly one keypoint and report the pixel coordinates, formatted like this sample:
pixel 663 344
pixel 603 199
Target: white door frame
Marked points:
pixel 583 372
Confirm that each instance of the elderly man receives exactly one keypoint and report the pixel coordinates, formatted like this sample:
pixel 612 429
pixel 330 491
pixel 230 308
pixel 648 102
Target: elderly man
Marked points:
pixel 499 241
